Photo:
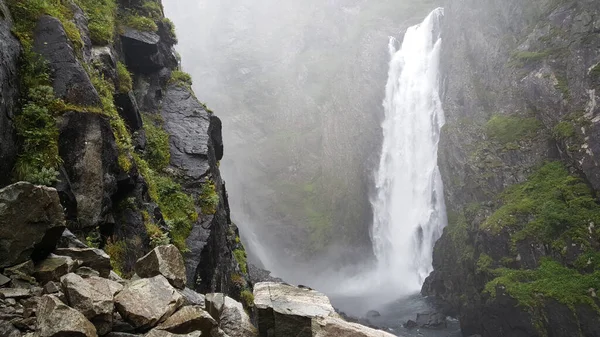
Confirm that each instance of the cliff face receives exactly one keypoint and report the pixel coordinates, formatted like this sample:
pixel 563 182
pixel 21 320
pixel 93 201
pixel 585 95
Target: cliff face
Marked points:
pixel 93 103
pixel 520 255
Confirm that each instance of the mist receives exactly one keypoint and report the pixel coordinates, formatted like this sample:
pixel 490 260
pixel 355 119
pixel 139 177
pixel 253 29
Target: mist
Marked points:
pixel 299 86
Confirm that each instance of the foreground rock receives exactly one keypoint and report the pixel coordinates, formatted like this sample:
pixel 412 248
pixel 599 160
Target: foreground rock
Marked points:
pixel 56 319
pixel 37 214
pixel 284 310
pixel 94 258
pixel 233 319
pixel 189 319
pixel 146 302
pixel 53 268
pixel 166 261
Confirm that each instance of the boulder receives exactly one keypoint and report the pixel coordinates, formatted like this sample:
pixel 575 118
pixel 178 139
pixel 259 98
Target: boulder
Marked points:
pixel 146 302
pixel 22 274
pixel 10 50
pixel 87 146
pixel 93 258
pixel 234 320
pixel 337 327
pixel 214 303
pixel 15 293
pixel 69 80
pixel 69 240
pixel 56 319
pixel 189 319
pixel 5 280
pixel 166 261
pixel 7 329
pixel 86 272
pixel 37 213
pixel 53 268
pixel 143 51
pixel 93 298
pixel 191 297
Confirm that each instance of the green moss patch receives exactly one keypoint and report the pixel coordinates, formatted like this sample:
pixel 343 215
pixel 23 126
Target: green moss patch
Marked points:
pixel 101 19
pixel 247 298
pixel 139 22
pixel 180 77
pixel 508 129
pixel 157 151
pixel 209 199
pixel 125 84
pixel 563 130
pixel 240 257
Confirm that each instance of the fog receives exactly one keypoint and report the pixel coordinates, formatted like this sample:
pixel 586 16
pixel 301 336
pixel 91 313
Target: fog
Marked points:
pixel 299 85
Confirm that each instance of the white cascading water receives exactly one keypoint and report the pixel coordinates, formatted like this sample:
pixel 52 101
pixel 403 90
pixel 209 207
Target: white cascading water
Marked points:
pixel 409 210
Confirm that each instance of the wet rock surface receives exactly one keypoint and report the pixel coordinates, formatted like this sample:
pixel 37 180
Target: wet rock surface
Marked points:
pixel 166 261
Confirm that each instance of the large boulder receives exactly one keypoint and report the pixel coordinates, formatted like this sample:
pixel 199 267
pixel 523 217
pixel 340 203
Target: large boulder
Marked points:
pixel 146 302
pixel 53 268
pixel 10 49
pixel 234 320
pixel 285 310
pixel 87 146
pixel 166 261
pixel 69 80
pixel 31 222
pixel 144 51
pixel 94 258
pixel 93 297
pixel 56 319
pixel 189 319
pixel 191 297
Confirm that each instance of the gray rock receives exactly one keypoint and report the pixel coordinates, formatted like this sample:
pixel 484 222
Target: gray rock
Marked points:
pixel 104 58
pixel 86 272
pixel 7 329
pixel 147 302
pixel 89 151
pixel 37 213
pixel 3 280
pixel 166 261
pixel 121 334
pixel 129 110
pixel 337 327
pixel 93 298
pixel 10 50
pixel 93 258
pixel 163 333
pixel 53 268
pixel 51 287
pixel 69 240
pixel 189 319
pixel 15 293
pixel 56 319
pixel 234 320
pixel 70 81
pixel 432 320
pixel 191 297
pixel 214 303
pixel 144 52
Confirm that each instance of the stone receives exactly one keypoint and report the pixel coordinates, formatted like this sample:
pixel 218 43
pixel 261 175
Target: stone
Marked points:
pixel 121 334
pixel 104 56
pixel 234 320
pixel 410 324
pixel 93 298
pixel 191 297
pixel 56 319
pixel 4 280
pixel 189 319
pixel 214 303
pixel 93 258
pixel 163 333
pixel 87 145
pixel 86 272
pixel 143 51
pixel 15 293
pixel 7 329
pixel 166 261
pixel 147 302
pixel 51 288
pixel 431 320
pixel 69 240
pixel 53 268
pixel 129 110
pixel 115 277
pixel 337 327
pixel 37 213
pixel 69 79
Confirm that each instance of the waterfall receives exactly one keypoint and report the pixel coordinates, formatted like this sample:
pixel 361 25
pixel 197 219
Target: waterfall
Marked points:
pixel 408 208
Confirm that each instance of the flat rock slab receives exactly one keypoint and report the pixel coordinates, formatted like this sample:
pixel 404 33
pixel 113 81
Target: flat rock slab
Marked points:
pixel 37 214
pixel 15 293
pixel 146 302
pixel 337 327
pixel 166 261
pixel 289 300
pixel 56 319
pixel 53 268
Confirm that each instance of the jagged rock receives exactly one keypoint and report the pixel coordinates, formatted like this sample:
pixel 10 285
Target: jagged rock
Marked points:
pixel 10 50
pixel 105 59
pixel 214 303
pixel 234 320
pixel 69 240
pixel 257 275
pixel 115 277
pixel 87 146
pixel 121 334
pixel 93 298
pixel 216 136
pixel 15 293
pixel 3 280
pixel 191 297
pixel 166 261
pixel 129 110
pixel 21 275
pixel 337 327
pixel 51 288
pixel 147 302
pixel 7 329
pixel 189 319
pixel 86 272
pixel 37 213
pixel 70 81
pixel 93 258
pixel 56 319
pixel 431 320
pixel 53 268
pixel 143 52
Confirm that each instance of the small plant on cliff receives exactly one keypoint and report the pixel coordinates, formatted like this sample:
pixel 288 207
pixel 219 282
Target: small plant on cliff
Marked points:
pixel 116 251
pixel 209 199
pixel 170 29
pixel 152 9
pixel 240 257
pixel 247 297
pixel 157 151
pixel 507 129
pixel 101 19
pixel 139 22
pixel 156 235
pixel 563 130
pixel 180 77
pixel 125 84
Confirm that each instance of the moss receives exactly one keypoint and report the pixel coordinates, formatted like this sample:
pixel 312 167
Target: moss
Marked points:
pixel 549 204
pixel 209 199
pixel 125 84
pixel 507 129
pixel 152 9
pixel 240 257
pixel 139 22
pixel 157 151
pixel 523 58
pixel 595 71
pixel 181 78
pixel 156 235
pixel 484 263
pixel 247 298
pixel 549 280
pixel 178 209
pixel 101 19
pixel 562 85
pixel 170 29
pixel 563 130
pixel 116 250
pixel 238 280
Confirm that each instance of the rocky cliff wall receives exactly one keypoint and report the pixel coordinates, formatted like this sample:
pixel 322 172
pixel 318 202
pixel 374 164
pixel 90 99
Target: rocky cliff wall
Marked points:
pixel 94 103
pixel 520 254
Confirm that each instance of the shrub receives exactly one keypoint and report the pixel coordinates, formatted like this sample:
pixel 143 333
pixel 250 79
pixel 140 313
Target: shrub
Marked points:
pixel 181 78
pixel 152 9
pixel 209 199
pixel 506 129
pixel 156 235
pixel 125 83
pixel 563 130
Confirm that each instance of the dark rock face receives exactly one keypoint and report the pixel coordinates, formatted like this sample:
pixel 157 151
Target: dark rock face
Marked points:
pixel 87 147
pixel 69 79
pixel 144 51
pixel 513 59
pixel 129 110
pixel 10 49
